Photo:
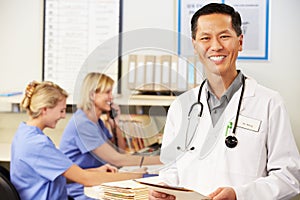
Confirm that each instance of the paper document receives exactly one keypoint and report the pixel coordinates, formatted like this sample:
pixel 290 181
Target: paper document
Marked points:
pixel 179 192
pixel 127 189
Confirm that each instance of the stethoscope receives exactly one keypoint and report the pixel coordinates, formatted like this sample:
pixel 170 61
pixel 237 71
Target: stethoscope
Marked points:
pixel 231 140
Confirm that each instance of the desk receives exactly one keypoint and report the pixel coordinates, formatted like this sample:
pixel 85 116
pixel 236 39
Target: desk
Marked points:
pixel 5 152
pixel 151 169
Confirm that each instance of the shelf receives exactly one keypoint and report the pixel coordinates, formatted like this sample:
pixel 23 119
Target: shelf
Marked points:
pixel 144 100
pixel 12 103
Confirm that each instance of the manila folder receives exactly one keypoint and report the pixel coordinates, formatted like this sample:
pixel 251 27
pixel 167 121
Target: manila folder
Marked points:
pixel 179 192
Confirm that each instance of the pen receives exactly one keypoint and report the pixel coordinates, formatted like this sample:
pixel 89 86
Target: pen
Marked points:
pixel 142 160
pixel 229 126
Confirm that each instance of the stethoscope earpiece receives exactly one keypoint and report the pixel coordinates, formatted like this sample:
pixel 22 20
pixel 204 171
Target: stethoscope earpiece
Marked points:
pixel 231 141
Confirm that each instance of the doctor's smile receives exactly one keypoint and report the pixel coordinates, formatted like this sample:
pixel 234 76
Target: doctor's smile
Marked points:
pixel 217 58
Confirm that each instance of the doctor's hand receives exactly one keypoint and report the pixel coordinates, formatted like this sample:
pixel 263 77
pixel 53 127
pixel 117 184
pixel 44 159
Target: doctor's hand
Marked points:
pixel 223 193
pixel 155 195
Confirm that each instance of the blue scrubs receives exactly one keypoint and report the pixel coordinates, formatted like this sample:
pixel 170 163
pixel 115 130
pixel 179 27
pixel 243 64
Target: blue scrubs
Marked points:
pixel 37 165
pixel 81 136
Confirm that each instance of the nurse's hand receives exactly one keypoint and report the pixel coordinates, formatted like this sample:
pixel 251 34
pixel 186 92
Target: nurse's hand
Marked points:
pixel 108 168
pixel 223 193
pixel 155 195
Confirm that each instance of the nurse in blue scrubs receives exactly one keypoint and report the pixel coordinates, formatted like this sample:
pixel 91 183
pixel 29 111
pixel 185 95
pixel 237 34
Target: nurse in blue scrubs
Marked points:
pixel 86 141
pixel 38 169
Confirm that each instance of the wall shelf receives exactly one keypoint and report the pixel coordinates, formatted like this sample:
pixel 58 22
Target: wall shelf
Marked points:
pixel 144 100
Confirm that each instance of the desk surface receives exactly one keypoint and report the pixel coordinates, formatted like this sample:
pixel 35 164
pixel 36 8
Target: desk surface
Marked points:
pixel 151 169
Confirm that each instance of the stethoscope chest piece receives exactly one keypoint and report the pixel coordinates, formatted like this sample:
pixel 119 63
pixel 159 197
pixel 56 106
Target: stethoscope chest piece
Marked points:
pixel 231 141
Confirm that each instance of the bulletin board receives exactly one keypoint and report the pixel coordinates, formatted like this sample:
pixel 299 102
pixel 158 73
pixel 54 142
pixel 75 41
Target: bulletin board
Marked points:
pixel 73 29
pixel 255 26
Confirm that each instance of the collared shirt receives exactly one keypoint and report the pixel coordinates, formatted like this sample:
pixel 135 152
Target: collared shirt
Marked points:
pixel 217 106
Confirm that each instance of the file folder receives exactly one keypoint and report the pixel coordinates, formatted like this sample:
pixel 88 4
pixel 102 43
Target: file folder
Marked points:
pixel 179 192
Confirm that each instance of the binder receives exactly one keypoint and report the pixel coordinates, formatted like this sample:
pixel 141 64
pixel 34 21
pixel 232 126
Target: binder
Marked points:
pixel 125 129
pixel 149 73
pixel 158 74
pixel 199 73
pixel 132 65
pixel 191 72
pixel 174 72
pixel 140 73
pixel 182 82
pixel 163 73
pixel 166 71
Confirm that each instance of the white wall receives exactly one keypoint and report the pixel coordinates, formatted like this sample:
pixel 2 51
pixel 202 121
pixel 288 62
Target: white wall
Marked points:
pixel 21 44
pixel 148 14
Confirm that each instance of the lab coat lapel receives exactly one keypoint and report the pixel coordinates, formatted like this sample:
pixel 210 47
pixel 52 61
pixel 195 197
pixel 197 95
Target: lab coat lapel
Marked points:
pixel 231 109
pixel 202 124
pixel 215 133
pixel 177 147
pixel 205 138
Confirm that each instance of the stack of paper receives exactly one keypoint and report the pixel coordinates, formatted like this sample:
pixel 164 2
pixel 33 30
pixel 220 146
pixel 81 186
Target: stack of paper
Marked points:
pixel 124 190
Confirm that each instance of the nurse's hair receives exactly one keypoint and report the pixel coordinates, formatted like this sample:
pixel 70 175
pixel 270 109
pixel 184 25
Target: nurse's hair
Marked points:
pixel 94 82
pixel 218 8
pixel 41 95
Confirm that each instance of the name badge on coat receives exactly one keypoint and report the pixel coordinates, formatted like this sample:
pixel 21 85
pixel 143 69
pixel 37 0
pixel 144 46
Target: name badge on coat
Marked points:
pixel 249 123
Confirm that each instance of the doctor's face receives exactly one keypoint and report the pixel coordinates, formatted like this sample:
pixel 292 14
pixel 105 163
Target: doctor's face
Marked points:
pixel 217 44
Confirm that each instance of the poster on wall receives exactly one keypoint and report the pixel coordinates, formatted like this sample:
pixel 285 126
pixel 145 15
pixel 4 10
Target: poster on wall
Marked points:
pixel 255 26
pixel 73 30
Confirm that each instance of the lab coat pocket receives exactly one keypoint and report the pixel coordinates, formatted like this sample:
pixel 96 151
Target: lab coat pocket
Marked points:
pixel 246 157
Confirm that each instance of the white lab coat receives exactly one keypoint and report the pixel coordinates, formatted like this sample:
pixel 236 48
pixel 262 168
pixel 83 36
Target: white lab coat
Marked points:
pixel 264 164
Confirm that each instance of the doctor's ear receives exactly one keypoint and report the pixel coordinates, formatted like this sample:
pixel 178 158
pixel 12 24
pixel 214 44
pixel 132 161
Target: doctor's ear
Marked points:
pixel 241 37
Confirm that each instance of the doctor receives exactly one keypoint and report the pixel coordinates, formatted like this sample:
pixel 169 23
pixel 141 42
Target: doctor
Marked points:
pixel 231 136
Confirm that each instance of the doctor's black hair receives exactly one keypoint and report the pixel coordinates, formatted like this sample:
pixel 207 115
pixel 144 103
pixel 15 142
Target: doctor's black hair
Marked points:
pixel 220 8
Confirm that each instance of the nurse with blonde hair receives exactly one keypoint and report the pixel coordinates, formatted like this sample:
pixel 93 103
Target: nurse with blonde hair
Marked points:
pixel 38 169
